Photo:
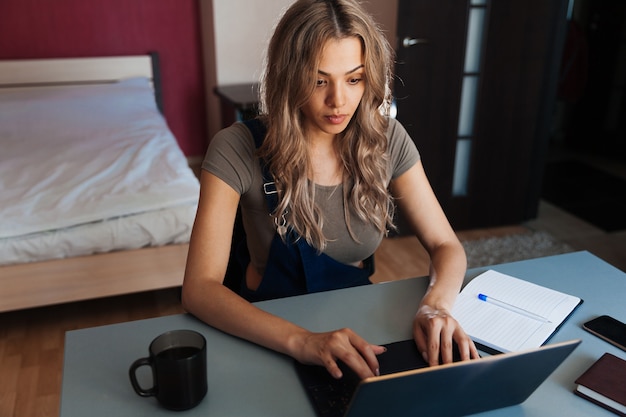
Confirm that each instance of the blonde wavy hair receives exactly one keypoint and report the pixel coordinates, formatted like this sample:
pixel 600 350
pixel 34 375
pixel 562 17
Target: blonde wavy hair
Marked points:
pixel 292 62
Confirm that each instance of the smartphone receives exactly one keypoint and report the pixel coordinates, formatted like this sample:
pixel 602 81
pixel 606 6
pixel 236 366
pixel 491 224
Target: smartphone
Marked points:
pixel 609 329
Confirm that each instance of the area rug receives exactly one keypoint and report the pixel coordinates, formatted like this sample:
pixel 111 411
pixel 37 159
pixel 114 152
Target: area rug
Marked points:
pixel 511 248
pixel 586 192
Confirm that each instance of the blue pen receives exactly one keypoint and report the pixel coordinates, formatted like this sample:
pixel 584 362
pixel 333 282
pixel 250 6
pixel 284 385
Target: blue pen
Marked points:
pixel 512 308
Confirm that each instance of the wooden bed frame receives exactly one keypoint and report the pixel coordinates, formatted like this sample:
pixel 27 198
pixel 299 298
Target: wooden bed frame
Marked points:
pixel 45 283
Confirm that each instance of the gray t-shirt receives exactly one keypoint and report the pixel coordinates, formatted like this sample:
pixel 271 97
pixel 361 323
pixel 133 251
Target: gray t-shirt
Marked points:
pixel 231 157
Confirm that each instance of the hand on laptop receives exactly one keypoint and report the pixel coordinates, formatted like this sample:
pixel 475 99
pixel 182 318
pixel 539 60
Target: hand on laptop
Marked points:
pixel 436 331
pixel 344 345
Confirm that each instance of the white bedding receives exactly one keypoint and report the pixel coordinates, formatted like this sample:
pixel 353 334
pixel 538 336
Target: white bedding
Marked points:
pixel 73 157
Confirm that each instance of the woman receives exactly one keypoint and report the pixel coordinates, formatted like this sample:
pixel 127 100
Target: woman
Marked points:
pixel 327 164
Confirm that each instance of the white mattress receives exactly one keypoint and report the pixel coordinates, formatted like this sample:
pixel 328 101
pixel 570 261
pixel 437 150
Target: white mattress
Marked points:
pixel 89 169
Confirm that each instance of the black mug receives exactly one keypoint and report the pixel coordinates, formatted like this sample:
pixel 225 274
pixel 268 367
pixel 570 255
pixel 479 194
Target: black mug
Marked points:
pixel 178 362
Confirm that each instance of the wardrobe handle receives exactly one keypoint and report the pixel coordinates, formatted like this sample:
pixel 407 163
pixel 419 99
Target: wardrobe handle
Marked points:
pixel 408 42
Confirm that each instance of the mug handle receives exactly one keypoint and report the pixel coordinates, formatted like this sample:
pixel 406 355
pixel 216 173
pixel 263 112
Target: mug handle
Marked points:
pixel 132 372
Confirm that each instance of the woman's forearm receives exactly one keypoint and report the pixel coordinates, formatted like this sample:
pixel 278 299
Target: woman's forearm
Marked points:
pixel 447 270
pixel 219 307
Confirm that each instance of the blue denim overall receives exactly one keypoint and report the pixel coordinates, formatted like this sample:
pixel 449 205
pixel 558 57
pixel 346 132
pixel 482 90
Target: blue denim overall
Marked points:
pixel 293 266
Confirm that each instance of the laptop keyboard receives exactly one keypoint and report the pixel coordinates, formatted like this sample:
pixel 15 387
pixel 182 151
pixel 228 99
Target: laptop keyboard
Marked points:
pixel 330 397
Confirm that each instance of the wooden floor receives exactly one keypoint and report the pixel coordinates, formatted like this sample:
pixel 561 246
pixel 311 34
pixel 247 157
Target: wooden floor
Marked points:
pixel 31 341
pixel 31 345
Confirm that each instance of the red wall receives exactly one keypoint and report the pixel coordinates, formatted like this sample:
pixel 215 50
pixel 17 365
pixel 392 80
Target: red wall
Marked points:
pixel 83 28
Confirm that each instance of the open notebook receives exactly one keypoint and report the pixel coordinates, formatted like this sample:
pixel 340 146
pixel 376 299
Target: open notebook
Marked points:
pixel 507 314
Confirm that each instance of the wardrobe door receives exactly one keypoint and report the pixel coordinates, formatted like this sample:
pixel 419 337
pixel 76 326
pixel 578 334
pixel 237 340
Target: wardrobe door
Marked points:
pixel 475 88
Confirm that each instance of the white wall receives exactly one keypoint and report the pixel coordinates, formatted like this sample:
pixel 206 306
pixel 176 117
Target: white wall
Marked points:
pixel 243 29
pixel 242 32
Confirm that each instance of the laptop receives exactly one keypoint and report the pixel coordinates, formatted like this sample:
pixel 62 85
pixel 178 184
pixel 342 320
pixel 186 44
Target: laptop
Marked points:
pixel 409 387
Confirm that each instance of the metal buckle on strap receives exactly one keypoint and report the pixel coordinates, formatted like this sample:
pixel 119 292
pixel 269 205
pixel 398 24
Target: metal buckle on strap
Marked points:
pixel 270 188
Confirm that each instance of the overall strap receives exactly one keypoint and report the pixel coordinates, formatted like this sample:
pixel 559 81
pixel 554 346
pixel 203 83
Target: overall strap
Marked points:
pixel 258 130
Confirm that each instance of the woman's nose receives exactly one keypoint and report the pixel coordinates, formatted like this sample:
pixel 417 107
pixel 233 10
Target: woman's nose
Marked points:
pixel 336 96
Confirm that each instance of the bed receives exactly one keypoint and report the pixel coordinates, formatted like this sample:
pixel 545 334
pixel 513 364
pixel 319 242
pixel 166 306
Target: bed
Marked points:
pixel 96 197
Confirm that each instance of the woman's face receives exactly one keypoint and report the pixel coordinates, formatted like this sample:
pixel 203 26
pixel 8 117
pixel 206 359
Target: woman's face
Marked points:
pixel 339 88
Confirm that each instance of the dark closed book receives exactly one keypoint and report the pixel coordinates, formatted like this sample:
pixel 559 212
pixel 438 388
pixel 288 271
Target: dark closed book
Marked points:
pixel 604 384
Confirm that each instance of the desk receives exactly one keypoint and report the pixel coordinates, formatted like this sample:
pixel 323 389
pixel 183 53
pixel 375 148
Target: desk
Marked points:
pixel 247 380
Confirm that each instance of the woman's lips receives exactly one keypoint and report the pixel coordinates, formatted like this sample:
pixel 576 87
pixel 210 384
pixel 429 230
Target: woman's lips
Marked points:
pixel 336 119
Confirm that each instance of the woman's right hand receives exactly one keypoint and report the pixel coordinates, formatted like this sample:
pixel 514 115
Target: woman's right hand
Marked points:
pixel 343 345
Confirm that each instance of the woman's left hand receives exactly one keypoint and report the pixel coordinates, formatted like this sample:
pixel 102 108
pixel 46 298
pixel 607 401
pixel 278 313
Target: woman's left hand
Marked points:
pixel 435 330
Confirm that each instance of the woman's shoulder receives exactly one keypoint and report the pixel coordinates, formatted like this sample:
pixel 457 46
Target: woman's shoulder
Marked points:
pixel 236 135
pixel 231 156
pixel 399 138
pixel 395 129
pixel 402 150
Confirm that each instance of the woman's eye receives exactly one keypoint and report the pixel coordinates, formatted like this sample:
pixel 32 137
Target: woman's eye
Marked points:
pixel 354 81
pixel 320 83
